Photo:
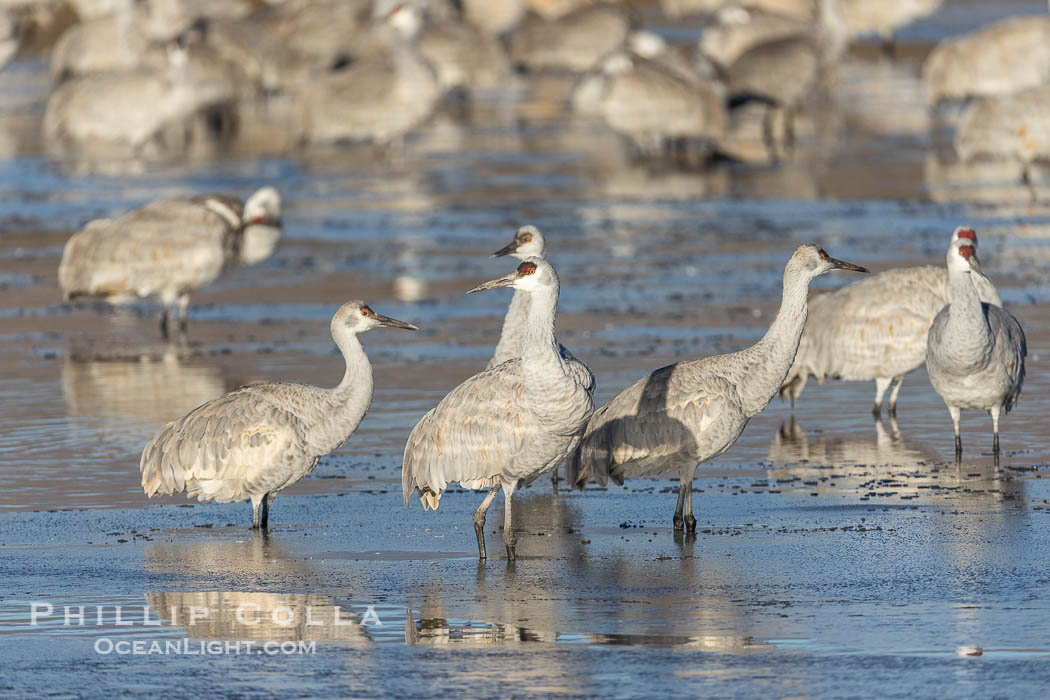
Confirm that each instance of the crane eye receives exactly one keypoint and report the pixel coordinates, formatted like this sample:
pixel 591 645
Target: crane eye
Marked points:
pixel 527 238
pixel 527 268
pixel 822 254
pixel 365 311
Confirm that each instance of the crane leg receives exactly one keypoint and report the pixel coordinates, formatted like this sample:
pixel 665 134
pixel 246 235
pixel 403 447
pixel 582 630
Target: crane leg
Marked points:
pixel 769 136
pixel 554 479
pixel 955 411
pixel 479 519
pixel 164 322
pixel 995 433
pixel 679 523
pixel 256 500
pixel 881 385
pixel 690 521
pixel 508 527
pixel 265 517
pixel 184 302
pixel 895 388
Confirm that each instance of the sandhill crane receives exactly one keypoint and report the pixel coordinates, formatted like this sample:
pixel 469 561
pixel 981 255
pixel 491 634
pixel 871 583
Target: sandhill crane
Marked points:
pixel 781 72
pixel 494 17
pixel 144 112
pixel 883 17
pixel 528 242
pixel 573 42
pixel 169 248
pixel 9 41
pixel 464 57
pixel 113 42
pixel 507 425
pixel 1013 127
pixel 1002 57
pixel 387 90
pixel 686 413
pixel 736 30
pixel 975 351
pixel 875 329
pixel 653 104
pixel 253 442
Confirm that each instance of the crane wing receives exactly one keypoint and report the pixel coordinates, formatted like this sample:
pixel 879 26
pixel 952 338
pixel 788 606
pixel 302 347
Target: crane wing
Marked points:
pixel 659 423
pixel 1010 337
pixel 223 450
pixel 469 435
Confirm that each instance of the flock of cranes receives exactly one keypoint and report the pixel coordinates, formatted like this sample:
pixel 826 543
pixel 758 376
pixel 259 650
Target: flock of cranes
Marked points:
pixel 155 80
pixel 532 408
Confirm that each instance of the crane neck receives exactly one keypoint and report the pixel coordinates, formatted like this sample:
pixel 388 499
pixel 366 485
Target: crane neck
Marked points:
pixel 512 337
pixel 355 388
pixel 344 405
pixel 967 323
pixel 765 364
pixel 539 348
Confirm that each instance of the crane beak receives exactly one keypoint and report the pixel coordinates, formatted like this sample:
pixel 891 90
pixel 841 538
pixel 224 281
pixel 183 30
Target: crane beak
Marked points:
pixel 975 265
pixel 506 250
pixel 505 281
pixel 837 264
pixel 394 323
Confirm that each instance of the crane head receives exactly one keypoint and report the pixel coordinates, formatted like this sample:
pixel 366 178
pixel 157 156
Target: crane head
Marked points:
pixel 358 317
pixel 962 257
pixel 527 242
pixel 965 232
pixel 534 273
pixel 263 207
pixel 813 260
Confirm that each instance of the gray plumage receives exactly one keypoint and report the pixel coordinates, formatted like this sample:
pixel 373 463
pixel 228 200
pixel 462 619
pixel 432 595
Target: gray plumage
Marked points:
pixel 975 351
pixel 1013 127
pixel 883 17
pixel 144 112
pixel 9 40
pixel 253 442
pixel 169 248
pixel 573 42
pixel 114 42
pixel 385 92
pixel 1000 58
pixel 464 57
pixel 653 104
pixel 738 30
pixel 529 242
pixel 689 412
pixel 507 425
pixel 875 329
pixel 781 73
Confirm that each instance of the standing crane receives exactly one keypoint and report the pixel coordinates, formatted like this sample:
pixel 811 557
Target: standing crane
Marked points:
pixel 687 413
pixel 875 329
pixel 253 442
pixel 169 249
pixel 975 351
pixel 507 425
pixel 528 242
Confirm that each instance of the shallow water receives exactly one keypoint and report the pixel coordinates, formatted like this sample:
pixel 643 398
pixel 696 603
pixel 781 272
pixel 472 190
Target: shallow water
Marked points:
pixel 822 535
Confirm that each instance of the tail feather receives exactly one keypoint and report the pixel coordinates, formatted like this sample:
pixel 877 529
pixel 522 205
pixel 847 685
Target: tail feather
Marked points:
pixel 161 473
pixel 430 499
